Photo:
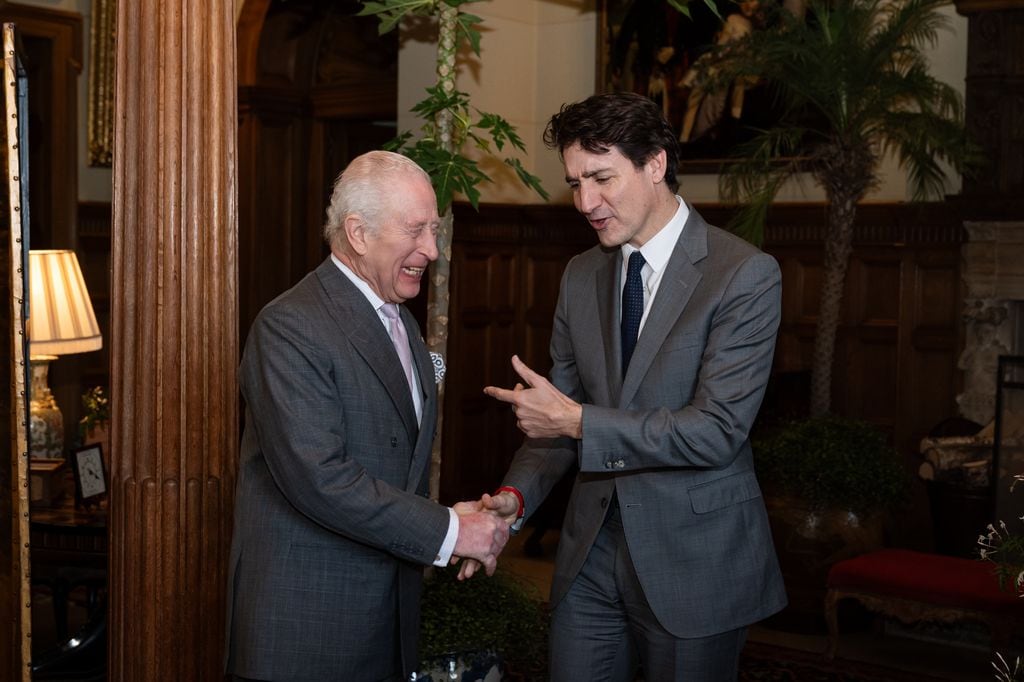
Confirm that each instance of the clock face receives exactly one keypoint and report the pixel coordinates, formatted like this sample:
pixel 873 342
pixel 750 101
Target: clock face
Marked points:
pixel 90 473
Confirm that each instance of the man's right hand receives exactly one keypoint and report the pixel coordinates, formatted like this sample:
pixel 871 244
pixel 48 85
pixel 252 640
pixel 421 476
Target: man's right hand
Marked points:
pixel 482 535
pixel 504 506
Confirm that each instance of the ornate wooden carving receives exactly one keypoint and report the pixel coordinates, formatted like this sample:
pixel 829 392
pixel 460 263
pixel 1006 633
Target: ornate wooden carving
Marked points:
pixel 995 105
pixel 174 338
pixel 909 611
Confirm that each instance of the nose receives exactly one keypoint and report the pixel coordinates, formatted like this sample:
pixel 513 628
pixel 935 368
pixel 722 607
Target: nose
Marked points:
pixel 587 198
pixel 428 244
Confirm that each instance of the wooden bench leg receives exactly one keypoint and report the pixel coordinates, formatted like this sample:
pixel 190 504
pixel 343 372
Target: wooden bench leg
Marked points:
pixel 832 598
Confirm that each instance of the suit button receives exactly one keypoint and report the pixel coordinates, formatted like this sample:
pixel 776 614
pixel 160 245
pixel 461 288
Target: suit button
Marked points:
pixel 620 464
pixel 604 502
pixel 394 442
pixel 609 465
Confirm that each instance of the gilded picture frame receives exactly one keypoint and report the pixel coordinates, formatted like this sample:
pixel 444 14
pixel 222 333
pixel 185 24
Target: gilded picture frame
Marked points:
pixel 101 82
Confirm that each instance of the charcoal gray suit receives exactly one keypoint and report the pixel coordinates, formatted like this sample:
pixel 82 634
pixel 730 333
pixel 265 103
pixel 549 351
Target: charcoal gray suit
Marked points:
pixel 332 524
pixel 670 438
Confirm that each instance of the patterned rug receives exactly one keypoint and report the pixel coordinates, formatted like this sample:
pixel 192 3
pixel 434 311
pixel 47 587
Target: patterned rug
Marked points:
pixel 765 663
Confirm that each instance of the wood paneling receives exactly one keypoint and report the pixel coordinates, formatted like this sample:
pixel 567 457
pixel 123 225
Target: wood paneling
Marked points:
pixel 994 98
pixel 507 262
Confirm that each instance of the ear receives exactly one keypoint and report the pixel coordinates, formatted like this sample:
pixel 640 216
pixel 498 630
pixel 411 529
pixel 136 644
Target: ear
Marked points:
pixel 656 166
pixel 355 232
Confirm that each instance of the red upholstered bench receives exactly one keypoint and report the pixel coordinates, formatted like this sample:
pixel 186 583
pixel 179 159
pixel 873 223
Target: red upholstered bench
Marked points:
pixel 916 587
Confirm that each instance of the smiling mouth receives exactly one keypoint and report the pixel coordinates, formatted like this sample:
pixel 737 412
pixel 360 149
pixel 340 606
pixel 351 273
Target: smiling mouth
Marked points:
pixel 413 272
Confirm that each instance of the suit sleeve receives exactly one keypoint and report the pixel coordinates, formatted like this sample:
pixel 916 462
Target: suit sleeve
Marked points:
pixel 292 397
pixel 734 369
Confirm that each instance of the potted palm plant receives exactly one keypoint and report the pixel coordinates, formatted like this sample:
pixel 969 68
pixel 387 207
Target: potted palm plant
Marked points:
pixel 852 85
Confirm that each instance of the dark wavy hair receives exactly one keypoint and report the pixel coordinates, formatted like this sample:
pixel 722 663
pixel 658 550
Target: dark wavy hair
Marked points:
pixel 632 123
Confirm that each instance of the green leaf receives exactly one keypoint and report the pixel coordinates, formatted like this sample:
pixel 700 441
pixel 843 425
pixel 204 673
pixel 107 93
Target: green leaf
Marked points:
pixel 467 28
pixel 501 131
pixel 391 12
pixel 683 7
pixel 527 178
pixel 437 101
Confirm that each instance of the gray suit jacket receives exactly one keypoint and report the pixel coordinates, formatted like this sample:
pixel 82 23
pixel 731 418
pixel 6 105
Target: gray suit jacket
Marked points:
pixel 671 436
pixel 332 521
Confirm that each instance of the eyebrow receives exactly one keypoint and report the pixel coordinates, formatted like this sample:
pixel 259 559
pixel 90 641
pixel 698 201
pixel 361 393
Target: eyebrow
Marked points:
pixel 590 174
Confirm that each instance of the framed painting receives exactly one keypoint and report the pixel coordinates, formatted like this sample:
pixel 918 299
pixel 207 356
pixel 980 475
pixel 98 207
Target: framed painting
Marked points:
pixel 650 48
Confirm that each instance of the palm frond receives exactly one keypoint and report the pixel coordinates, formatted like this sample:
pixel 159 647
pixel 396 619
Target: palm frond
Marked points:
pixel 753 179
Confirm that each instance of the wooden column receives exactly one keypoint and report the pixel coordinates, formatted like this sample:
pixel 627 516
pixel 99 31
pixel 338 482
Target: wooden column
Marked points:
pixel 174 342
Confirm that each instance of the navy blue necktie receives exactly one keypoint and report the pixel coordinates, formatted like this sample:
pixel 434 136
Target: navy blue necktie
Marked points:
pixel 632 307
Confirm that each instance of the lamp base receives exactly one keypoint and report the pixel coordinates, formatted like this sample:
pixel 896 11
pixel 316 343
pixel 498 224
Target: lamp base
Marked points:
pixel 46 426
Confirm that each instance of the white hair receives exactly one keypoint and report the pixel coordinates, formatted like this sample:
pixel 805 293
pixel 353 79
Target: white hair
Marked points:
pixel 364 188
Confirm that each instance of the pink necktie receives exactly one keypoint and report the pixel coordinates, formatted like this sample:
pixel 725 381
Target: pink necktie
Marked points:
pixel 400 339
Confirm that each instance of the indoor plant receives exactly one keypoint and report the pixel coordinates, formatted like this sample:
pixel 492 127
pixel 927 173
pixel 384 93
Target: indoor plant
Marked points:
pixel 1003 545
pixel 828 482
pixel 449 123
pixel 831 462
pixel 485 621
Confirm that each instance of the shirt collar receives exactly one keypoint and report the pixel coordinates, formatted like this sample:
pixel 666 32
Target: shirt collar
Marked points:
pixel 371 296
pixel 658 248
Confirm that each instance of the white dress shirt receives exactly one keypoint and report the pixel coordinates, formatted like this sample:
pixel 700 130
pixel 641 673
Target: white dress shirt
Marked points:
pixel 656 252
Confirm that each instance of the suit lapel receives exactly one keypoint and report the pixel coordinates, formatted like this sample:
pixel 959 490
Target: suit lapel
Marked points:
pixel 677 285
pixel 425 373
pixel 608 304
pixel 361 325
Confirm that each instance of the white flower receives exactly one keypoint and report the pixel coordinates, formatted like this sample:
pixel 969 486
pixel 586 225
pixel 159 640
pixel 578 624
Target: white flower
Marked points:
pixel 439 369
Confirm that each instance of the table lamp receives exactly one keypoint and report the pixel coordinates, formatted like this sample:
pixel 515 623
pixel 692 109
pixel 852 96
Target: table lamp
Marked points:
pixel 61 322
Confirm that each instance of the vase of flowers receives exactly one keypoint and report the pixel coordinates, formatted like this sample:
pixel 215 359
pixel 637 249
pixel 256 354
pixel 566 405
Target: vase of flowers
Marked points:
pixel 94 426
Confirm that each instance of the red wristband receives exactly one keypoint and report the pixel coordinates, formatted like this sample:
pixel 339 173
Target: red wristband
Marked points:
pixel 519 496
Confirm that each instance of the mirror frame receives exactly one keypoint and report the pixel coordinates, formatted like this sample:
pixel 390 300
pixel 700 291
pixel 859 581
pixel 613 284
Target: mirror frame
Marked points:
pixel 20 572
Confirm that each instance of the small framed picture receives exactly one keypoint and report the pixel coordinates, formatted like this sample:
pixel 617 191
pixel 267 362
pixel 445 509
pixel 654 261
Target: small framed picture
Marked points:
pixel 90 476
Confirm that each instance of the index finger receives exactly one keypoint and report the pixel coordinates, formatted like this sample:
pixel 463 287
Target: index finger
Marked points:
pixel 528 375
pixel 502 394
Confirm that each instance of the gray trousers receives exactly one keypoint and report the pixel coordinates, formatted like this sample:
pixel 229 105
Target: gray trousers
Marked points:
pixel 603 628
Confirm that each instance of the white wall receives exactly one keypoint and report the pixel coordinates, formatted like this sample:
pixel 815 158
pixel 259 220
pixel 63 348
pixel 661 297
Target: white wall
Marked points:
pixel 538 54
pixel 94 184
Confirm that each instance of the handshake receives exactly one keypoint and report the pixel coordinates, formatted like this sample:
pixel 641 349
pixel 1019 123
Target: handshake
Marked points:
pixel 541 411
pixel 483 531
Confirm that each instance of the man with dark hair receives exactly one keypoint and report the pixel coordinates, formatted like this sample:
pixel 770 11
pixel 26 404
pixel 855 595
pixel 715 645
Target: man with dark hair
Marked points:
pixel 662 345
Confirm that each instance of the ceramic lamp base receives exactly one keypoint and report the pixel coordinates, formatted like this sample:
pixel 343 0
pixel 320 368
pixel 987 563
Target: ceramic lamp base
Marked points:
pixel 46 426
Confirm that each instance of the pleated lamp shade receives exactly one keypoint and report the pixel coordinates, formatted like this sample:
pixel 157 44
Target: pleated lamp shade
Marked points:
pixel 61 318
